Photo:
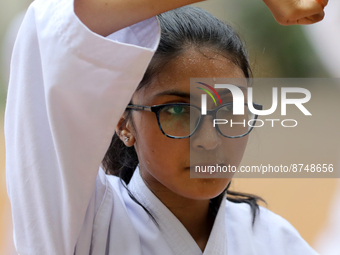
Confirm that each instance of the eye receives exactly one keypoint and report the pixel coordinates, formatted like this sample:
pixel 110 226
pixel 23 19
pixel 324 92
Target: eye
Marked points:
pixel 177 109
pixel 227 108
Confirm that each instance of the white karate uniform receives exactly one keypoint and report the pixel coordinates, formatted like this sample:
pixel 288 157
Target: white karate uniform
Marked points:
pixel 68 88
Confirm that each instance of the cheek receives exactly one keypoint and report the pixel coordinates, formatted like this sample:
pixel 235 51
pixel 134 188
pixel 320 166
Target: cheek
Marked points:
pixel 233 150
pixel 154 149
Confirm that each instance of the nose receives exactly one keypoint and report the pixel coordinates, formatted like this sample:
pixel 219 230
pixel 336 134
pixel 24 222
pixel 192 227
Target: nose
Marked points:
pixel 206 137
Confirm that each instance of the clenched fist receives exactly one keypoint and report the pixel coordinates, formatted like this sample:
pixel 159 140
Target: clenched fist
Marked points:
pixel 301 12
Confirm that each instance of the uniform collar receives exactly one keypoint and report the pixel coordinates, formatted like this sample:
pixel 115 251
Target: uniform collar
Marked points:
pixel 174 232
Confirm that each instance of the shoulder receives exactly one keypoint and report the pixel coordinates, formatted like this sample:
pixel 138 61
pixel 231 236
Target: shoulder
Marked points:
pixel 109 190
pixel 271 233
pixel 109 184
pixel 265 219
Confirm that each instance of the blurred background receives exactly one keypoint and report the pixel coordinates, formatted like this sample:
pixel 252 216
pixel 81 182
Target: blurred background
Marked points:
pixel 311 205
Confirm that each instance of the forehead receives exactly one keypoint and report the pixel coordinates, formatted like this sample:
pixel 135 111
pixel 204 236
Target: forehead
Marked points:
pixel 194 63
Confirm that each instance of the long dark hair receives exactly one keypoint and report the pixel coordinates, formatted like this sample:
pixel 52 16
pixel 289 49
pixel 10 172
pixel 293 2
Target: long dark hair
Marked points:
pixel 182 29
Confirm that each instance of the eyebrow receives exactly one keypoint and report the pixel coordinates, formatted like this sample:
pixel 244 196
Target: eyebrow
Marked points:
pixel 189 96
pixel 227 91
pixel 175 93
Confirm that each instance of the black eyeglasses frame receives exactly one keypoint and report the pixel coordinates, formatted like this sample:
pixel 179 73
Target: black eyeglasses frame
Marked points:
pixel 157 108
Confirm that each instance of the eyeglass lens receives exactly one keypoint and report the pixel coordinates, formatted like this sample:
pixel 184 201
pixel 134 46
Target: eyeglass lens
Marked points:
pixel 182 120
pixel 235 125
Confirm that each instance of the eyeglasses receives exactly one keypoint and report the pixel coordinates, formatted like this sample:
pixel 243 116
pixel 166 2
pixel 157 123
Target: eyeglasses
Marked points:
pixel 182 120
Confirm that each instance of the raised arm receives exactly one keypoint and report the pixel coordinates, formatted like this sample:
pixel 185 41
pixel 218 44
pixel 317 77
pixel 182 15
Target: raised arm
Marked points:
pixel 107 16
pixel 68 88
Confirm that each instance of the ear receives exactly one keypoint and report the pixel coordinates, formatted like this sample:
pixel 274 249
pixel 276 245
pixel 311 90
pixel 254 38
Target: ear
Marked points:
pixel 125 132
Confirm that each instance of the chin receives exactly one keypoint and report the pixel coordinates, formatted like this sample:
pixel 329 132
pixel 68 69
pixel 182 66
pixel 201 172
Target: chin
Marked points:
pixel 204 189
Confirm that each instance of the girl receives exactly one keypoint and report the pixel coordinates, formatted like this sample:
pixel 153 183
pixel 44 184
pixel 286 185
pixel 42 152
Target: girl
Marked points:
pixel 68 95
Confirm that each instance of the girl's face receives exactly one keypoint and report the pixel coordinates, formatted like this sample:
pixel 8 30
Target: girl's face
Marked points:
pixel 165 162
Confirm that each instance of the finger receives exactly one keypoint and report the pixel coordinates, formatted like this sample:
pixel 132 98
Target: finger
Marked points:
pixel 309 8
pixel 311 19
pixel 323 3
pixel 307 12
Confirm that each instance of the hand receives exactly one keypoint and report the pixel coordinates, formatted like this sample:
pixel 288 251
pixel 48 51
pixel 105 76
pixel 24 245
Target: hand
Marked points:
pixel 297 12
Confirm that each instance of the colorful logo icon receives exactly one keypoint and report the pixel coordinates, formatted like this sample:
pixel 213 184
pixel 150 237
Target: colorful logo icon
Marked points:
pixel 209 93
